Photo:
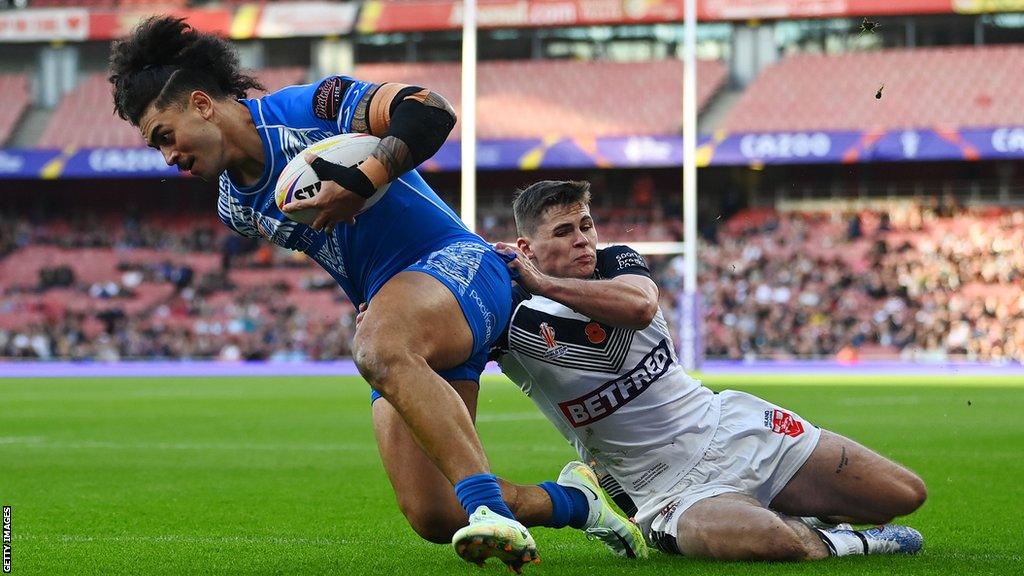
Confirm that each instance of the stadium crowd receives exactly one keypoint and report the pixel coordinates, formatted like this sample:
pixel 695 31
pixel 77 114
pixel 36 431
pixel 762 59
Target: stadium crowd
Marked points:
pixel 918 283
pixel 915 283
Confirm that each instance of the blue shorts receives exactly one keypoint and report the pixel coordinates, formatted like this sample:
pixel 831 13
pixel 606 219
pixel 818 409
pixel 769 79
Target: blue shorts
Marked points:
pixel 479 279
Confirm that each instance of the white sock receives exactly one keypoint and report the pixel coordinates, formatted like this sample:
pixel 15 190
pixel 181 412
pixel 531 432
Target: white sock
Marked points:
pixel 815 522
pixel 843 542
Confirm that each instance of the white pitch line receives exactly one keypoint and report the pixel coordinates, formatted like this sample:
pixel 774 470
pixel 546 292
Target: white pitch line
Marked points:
pixel 511 417
pixel 21 439
pixel 182 538
pixel 39 442
pixel 882 401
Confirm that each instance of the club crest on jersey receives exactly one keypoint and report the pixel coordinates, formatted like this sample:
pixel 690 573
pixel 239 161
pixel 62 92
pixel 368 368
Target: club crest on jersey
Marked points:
pixel 555 350
pixel 782 422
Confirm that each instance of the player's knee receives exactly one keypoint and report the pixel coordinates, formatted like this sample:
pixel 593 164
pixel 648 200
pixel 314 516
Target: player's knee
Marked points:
pixel 913 493
pixel 433 525
pixel 375 361
pixel 906 493
pixel 774 542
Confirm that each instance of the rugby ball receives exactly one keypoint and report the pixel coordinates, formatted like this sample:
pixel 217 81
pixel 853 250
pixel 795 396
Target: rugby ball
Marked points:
pixel 298 181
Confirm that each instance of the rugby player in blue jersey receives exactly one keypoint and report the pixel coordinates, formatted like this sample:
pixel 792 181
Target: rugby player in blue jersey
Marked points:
pixel 441 296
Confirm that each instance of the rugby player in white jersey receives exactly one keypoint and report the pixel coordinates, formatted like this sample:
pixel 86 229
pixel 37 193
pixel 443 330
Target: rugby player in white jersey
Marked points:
pixel 726 475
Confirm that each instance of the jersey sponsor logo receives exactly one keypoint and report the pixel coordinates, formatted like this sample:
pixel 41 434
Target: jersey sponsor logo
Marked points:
pixel 782 422
pixel 629 260
pixel 555 350
pixel 612 395
pixel 485 313
pixel 327 98
pixel 595 333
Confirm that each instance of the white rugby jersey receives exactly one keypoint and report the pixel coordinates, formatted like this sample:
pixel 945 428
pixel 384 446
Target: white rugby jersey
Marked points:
pixel 619 396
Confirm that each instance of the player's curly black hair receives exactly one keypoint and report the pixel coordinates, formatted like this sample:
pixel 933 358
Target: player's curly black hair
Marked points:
pixel 164 59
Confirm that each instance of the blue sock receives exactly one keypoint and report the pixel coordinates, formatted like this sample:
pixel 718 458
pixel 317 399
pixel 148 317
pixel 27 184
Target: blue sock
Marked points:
pixel 482 490
pixel 568 506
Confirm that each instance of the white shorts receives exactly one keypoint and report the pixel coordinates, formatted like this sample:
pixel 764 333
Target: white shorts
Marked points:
pixel 756 450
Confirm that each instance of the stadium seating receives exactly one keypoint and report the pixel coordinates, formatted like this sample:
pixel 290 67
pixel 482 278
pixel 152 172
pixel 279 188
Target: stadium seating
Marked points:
pixel 70 127
pixel 14 87
pixel 517 99
pixel 523 99
pixel 274 79
pixel 924 88
pixel 109 4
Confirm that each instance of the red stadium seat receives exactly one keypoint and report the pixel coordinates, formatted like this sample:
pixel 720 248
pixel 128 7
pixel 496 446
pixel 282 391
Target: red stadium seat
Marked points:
pixel 14 87
pixel 101 127
pixel 924 88
pixel 524 99
pixel 517 99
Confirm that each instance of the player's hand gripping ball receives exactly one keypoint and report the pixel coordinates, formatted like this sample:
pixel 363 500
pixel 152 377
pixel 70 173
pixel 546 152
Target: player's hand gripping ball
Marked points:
pixel 298 180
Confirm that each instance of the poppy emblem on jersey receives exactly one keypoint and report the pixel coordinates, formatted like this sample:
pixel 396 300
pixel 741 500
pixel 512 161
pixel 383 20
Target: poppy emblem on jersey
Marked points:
pixel 555 350
pixel 782 422
pixel 595 333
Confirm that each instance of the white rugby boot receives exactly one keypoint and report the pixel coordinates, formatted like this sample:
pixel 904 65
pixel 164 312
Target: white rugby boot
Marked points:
pixel 490 535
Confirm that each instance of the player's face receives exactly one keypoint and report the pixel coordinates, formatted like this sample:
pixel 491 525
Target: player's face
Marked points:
pixel 565 242
pixel 186 136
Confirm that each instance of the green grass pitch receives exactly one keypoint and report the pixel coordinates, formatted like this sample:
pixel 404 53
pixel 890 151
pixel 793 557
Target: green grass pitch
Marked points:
pixel 281 476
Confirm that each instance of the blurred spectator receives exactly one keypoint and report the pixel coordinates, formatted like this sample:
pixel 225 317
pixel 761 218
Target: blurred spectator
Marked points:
pixel 911 282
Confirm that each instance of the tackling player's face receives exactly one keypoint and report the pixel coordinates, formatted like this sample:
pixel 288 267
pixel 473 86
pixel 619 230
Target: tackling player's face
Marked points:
pixel 565 242
pixel 186 136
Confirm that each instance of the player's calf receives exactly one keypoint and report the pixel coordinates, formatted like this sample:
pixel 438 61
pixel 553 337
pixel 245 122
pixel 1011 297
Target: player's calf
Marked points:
pixel 736 531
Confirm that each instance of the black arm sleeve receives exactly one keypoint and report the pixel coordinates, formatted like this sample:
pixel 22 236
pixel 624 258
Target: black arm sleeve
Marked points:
pixel 422 127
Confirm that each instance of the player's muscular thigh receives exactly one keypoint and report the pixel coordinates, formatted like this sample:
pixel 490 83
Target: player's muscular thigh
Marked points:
pixel 416 313
pixel 844 478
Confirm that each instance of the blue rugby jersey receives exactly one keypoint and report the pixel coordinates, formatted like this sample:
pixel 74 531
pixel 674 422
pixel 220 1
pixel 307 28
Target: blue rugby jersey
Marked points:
pixel 408 221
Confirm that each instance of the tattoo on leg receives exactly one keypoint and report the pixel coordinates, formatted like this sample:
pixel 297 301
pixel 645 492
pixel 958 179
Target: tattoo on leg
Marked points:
pixel 843 461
